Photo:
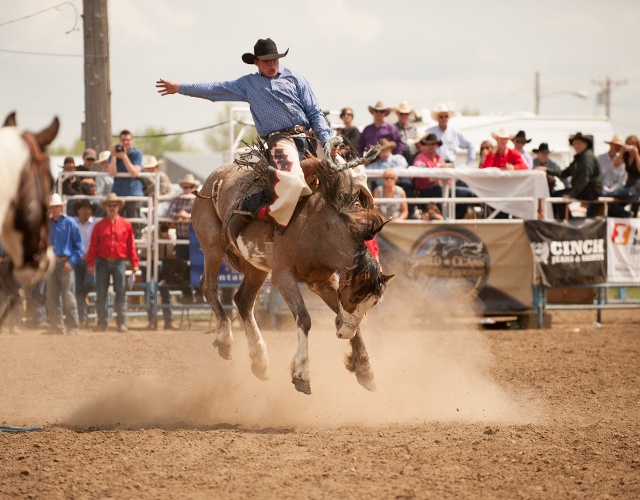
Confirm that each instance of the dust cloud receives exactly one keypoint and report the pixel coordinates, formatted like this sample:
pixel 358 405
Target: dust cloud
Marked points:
pixel 430 359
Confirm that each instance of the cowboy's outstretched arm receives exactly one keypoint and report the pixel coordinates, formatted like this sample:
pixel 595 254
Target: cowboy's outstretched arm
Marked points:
pixel 165 87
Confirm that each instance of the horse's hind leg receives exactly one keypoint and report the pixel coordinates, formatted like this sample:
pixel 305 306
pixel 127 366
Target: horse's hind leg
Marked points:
pixel 358 362
pixel 245 299
pixel 209 285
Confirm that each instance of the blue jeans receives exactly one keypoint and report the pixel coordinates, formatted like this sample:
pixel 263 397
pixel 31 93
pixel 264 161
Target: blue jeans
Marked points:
pixel 624 193
pixel 85 283
pixel 588 193
pixel 61 299
pixel 152 290
pixel 104 271
pixel 36 310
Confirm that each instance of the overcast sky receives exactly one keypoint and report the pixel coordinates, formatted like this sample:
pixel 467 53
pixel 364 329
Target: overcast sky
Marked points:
pixel 480 55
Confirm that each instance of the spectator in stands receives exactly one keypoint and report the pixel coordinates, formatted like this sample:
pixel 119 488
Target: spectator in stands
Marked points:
pixel 180 211
pixel 408 130
pixel 544 162
pixel 584 170
pixel 486 147
pixel 380 129
pixel 451 138
pixel 386 159
pixel 151 165
pixel 85 282
pixel 111 245
pixel 349 131
pixel 125 159
pixel 71 184
pixel 612 178
pixel 67 245
pixel 629 157
pixel 519 140
pixel 428 158
pixel 88 158
pixel 166 253
pixel 503 157
pixel 389 189
pixel 104 183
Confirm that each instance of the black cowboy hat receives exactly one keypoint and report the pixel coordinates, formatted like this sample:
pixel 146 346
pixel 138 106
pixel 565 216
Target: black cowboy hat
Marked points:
pixel 265 50
pixel 430 139
pixel 521 135
pixel 543 148
pixel 581 137
pixel 84 202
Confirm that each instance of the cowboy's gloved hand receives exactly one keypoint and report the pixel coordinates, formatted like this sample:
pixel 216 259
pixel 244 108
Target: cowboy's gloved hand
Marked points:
pixel 371 154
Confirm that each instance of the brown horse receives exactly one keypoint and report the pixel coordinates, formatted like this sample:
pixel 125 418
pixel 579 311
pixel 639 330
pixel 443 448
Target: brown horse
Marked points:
pixel 24 199
pixel 323 247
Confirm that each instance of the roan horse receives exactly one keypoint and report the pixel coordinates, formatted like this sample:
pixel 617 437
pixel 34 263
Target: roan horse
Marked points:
pixel 24 198
pixel 323 247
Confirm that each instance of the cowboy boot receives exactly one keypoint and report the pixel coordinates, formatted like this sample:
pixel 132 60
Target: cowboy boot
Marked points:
pixel 251 207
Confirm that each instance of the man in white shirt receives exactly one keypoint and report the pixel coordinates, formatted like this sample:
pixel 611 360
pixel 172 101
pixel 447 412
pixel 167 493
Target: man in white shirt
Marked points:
pixel 85 283
pixel 612 178
pixel 451 138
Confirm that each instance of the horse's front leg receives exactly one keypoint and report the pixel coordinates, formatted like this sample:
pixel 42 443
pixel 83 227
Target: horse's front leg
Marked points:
pixel 245 299
pixel 288 288
pixel 358 362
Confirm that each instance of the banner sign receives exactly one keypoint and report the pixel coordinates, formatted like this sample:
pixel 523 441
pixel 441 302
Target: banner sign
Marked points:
pixel 623 250
pixel 570 252
pixel 490 260
pixel 227 276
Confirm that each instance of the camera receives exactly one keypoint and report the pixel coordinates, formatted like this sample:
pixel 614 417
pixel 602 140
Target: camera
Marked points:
pixel 628 147
pixel 119 148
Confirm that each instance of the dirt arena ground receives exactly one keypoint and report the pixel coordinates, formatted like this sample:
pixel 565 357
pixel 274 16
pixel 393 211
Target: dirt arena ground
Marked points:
pixel 460 412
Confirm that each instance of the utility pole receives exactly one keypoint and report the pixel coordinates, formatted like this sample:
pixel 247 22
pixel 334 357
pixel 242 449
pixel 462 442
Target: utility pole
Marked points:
pixel 604 97
pixel 97 86
pixel 536 87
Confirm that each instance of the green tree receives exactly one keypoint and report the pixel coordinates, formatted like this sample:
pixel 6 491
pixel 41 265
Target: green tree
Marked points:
pixel 155 141
pixel 218 138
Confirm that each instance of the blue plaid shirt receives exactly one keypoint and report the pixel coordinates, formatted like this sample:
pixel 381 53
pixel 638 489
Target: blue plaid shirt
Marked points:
pixel 276 103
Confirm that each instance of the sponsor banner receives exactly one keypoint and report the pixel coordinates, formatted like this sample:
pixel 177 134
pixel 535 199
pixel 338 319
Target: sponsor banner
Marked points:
pixel 490 260
pixel 227 276
pixel 623 250
pixel 569 253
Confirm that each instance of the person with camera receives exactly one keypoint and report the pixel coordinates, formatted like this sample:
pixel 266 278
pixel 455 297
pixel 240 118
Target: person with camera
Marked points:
pixel 125 159
pixel 629 157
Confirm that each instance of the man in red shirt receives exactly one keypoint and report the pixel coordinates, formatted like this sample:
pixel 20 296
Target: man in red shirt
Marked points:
pixel 112 243
pixel 503 157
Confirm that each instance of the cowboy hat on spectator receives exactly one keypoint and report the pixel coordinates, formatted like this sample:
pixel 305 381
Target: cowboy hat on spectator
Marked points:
pixel 440 109
pixel 386 144
pixel 403 107
pixel 68 162
pixel 430 139
pixel 521 135
pixel 618 140
pixel 85 202
pixel 149 161
pixel 379 106
pixel 265 50
pixel 543 148
pixel 189 180
pixel 103 156
pixel 55 200
pixel 579 136
pixel 501 133
pixel 110 198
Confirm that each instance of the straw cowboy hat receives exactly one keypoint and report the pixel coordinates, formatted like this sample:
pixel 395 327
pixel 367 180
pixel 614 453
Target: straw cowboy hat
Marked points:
pixel 149 161
pixel 55 200
pixel 543 148
pixel 386 144
pixel 521 135
pixel 403 107
pixel 618 140
pixel 587 139
pixel 439 109
pixel 379 107
pixel 501 133
pixel 189 180
pixel 112 197
pixel 265 50
pixel 103 156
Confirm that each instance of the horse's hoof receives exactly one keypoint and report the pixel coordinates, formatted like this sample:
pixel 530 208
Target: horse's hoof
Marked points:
pixel 368 383
pixel 223 350
pixel 301 385
pixel 260 372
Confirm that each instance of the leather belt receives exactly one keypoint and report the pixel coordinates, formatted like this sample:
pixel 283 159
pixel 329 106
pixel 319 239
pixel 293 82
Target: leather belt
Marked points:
pixel 296 129
pixel 111 259
pixel 61 258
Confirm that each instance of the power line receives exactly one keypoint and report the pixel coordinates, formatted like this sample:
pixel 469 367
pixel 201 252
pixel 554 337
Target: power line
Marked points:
pixel 59 6
pixel 25 52
pixel 180 133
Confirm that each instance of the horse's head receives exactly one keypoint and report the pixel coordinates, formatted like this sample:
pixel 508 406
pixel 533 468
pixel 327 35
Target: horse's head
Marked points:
pixel 25 228
pixel 360 288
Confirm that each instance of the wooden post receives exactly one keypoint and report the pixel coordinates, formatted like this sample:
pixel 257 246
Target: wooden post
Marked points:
pixel 97 86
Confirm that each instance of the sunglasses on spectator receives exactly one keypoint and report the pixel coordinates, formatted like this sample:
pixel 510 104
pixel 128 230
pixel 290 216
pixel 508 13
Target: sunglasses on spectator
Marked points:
pixel 388 177
pixel 347 114
pixel 441 117
pixel 485 147
pixel 189 186
pixel 519 141
pixel 404 114
pixel 112 204
pixel 378 111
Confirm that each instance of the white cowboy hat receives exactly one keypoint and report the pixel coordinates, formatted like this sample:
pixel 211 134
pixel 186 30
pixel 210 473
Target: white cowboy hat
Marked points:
pixel 618 140
pixel 439 109
pixel 149 161
pixel 189 180
pixel 55 200
pixel 103 156
pixel 112 197
pixel 501 133
pixel 403 107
